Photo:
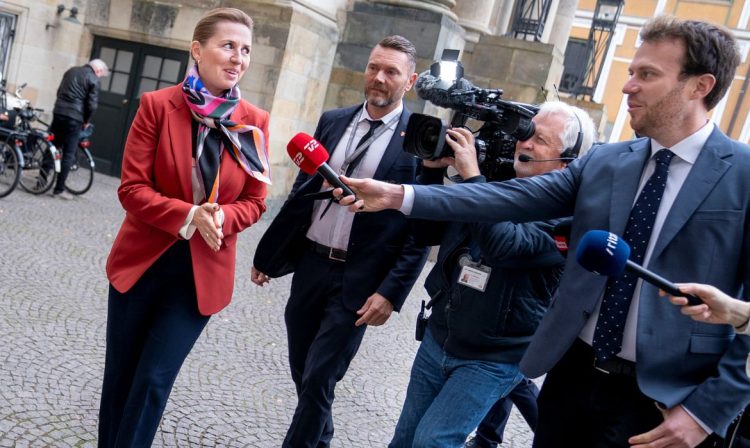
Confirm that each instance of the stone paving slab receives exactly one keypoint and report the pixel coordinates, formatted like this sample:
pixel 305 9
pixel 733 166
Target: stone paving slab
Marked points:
pixel 234 389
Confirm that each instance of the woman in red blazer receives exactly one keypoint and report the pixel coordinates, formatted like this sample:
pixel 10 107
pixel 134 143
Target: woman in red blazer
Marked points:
pixel 194 174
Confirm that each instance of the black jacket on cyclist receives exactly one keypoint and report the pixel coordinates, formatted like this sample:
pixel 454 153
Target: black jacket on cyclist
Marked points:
pixel 78 94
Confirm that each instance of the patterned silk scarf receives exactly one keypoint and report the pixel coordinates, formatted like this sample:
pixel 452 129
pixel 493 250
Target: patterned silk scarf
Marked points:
pixel 247 143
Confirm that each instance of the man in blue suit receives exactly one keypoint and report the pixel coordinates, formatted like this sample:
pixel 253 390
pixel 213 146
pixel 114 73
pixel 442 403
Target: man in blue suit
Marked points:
pixel 353 271
pixel 644 375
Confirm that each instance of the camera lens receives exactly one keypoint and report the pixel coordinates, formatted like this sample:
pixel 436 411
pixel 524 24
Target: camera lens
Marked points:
pixel 429 136
pixel 425 137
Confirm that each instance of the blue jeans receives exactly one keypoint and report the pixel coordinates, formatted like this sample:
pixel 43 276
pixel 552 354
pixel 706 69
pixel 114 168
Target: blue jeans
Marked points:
pixel 447 397
pixel 490 431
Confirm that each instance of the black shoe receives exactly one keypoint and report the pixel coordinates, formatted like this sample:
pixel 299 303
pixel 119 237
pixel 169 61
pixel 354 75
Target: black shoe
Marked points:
pixel 477 442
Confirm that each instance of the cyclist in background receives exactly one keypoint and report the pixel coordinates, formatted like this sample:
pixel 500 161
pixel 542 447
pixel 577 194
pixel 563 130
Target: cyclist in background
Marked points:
pixel 76 101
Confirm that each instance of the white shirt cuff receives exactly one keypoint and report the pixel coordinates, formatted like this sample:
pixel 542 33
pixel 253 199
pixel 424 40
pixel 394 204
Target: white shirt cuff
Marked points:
pixel 698 421
pixel 188 229
pixel 408 203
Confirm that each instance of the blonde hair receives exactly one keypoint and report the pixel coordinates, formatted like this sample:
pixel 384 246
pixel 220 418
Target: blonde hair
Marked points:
pixel 206 26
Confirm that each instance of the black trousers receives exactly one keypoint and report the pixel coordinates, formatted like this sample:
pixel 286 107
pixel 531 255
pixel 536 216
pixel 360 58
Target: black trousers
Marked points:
pixel 67 133
pixel 322 343
pixel 150 330
pixel 584 407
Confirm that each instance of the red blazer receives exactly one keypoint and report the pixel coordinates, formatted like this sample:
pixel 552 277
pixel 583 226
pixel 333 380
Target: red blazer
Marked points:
pixel 156 193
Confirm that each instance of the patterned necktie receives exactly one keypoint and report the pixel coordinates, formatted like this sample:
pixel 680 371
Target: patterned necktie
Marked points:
pixel 374 124
pixel 619 293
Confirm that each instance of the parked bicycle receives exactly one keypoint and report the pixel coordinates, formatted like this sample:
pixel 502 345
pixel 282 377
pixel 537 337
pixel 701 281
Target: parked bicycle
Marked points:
pixel 37 156
pixel 10 157
pixel 10 173
pixel 40 160
pixel 81 175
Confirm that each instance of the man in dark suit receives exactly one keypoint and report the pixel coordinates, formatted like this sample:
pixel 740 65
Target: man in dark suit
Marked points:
pixel 356 269
pixel 625 367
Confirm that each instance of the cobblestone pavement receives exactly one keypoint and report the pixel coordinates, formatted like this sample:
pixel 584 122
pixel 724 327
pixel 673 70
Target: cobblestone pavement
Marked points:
pixel 234 389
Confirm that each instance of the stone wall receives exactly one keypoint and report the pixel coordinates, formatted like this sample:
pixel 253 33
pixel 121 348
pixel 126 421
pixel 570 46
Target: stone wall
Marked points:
pixel 308 56
pixel 524 70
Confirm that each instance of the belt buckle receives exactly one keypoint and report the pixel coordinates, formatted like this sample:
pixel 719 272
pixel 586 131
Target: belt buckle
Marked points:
pixel 331 255
pixel 600 368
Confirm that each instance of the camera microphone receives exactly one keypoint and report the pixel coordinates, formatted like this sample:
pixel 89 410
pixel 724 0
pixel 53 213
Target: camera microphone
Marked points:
pixel 435 90
pixel 524 158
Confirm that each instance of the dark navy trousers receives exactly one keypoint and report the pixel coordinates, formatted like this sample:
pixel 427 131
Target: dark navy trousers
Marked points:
pixel 150 330
pixel 322 343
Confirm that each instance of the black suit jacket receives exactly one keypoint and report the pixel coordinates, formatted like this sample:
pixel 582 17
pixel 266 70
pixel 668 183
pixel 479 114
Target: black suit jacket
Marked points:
pixel 381 255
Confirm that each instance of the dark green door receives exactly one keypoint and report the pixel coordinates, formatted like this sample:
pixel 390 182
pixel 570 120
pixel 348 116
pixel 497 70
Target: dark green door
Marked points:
pixel 135 68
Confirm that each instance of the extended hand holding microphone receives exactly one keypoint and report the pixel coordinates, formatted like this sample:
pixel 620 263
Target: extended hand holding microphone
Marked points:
pixel 605 253
pixel 311 157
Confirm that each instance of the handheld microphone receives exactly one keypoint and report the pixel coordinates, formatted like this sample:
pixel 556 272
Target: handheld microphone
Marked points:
pixel 605 253
pixel 311 157
pixel 525 158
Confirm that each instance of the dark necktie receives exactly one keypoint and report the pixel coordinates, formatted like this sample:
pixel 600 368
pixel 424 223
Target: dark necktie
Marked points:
pixel 374 124
pixel 619 293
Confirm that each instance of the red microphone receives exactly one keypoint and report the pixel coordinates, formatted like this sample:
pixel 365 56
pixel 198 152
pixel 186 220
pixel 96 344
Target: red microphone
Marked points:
pixel 311 157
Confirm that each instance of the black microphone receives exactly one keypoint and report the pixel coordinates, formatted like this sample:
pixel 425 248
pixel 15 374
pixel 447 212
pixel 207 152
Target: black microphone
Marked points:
pixel 605 253
pixel 440 93
pixel 524 158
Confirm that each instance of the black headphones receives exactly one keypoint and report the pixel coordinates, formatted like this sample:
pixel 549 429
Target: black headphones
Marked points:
pixel 569 154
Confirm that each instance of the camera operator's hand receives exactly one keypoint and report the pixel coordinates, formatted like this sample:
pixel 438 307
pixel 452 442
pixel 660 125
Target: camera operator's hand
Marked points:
pixel 461 140
pixel 438 163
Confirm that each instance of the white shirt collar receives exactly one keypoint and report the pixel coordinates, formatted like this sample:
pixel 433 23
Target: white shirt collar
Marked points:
pixel 688 148
pixel 385 119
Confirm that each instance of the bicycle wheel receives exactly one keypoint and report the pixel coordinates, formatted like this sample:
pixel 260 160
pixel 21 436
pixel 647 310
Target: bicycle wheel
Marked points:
pixel 81 174
pixel 10 171
pixel 38 174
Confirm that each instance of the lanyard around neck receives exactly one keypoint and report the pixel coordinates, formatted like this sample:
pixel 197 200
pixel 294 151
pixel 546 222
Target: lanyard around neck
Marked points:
pixel 349 158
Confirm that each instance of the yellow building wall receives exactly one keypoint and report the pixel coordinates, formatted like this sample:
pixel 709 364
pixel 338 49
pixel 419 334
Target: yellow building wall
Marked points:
pixel 634 12
pixel 734 14
pixel 711 12
pixel 613 92
pixel 639 8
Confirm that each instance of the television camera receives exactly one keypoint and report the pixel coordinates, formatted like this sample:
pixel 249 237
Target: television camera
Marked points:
pixel 504 122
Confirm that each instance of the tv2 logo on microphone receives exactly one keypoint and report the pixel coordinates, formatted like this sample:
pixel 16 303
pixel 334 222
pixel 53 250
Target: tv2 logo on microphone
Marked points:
pixel 311 146
pixel 298 159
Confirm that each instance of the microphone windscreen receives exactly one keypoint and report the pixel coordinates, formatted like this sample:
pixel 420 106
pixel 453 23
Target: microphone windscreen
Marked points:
pixel 603 253
pixel 307 153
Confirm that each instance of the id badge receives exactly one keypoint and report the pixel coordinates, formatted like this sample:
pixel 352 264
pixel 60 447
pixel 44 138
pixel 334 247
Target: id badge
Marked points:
pixel 475 277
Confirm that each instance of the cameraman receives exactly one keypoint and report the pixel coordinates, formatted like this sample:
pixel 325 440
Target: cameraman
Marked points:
pixel 489 288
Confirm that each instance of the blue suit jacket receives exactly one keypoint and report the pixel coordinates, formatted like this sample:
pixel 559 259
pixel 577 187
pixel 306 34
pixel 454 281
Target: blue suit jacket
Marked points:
pixel 382 256
pixel 705 239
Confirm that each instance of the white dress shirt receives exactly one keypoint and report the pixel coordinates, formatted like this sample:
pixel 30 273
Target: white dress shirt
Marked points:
pixel 334 228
